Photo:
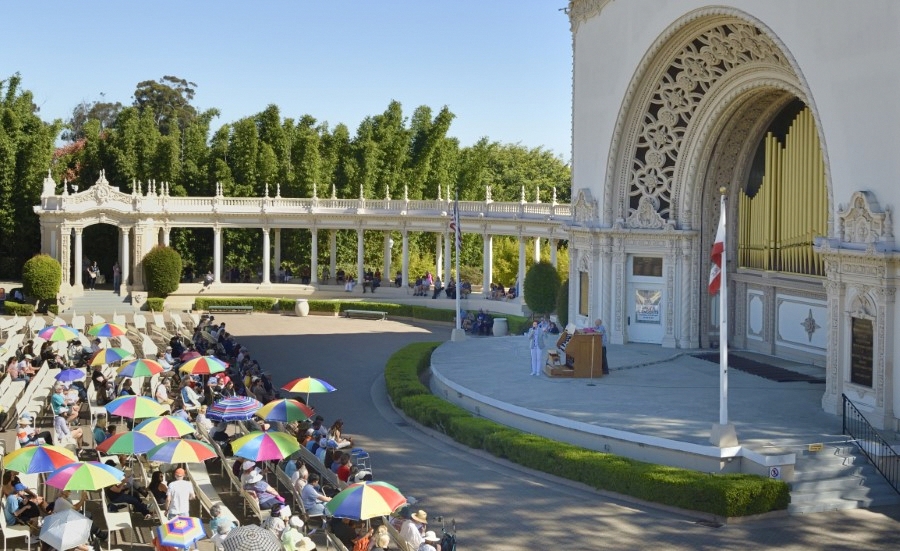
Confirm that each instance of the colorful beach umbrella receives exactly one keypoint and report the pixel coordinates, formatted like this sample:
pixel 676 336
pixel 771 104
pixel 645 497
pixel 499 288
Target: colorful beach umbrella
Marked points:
pixel 308 385
pixel 182 451
pixel 181 532
pixel 66 529
pixel 135 407
pixel 141 368
pixel 106 329
pixel 109 355
pixel 285 410
pixel 69 375
pixel 365 500
pixel 129 443
pixel 265 446
pixel 85 475
pixel 204 365
pixel 233 408
pixel 168 426
pixel 57 333
pixel 44 458
pixel 189 355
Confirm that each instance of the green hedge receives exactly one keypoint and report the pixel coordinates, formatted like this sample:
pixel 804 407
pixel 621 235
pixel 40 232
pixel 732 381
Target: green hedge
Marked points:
pixel 155 304
pixel 13 308
pixel 259 304
pixel 162 270
pixel 726 495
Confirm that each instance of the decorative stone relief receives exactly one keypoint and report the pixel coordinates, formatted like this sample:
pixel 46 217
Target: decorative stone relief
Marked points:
pixel 581 10
pixel 863 222
pixel 584 211
pixel 810 325
pixel 584 261
pixel 646 215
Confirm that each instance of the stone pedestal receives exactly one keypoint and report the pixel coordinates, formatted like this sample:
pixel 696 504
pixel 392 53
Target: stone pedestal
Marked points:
pixel 501 328
pixel 301 307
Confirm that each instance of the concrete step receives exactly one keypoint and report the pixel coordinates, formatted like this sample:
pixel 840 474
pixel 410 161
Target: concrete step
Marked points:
pixel 824 505
pixel 103 303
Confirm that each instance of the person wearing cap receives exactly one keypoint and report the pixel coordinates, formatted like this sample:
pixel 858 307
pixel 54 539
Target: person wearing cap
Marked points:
pixel 28 436
pixel 62 407
pixel 179 496
pixel 247 469
pixel 413 528
pixel 312 497
pixel 266 495
pixel 293 539
pixel 430 540
pixel 23 507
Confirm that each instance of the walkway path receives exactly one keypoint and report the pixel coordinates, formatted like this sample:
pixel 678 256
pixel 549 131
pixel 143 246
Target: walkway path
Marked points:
pixel 497 505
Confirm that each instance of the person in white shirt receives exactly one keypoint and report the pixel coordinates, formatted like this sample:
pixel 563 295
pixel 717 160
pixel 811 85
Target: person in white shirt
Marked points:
pixel 179 495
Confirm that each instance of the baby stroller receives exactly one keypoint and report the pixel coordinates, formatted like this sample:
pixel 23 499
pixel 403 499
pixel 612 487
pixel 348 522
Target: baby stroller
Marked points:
pixel 448 539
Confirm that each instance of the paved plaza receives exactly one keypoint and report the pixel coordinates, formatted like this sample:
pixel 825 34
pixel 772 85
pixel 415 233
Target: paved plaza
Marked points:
pixel 500 506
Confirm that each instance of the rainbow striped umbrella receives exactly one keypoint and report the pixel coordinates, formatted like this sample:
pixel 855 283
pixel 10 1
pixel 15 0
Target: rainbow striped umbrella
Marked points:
pixel 141 368
pixel 365 500
pixel 109 355
pixel 135 407
pixel 233 408
pixel 85 475
pixel 181 532
pixel 285 410
pixel 168 426
pixel 204 365
pixel 38 459
pixel 265 446
pixel 106 329
pixel 57 333
pixel 182 451
pixel 129 443
pixel 308 385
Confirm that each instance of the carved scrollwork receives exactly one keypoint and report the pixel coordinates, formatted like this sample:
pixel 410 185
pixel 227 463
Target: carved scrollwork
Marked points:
pixel 646 215
pixel 584 211
pixel 863 221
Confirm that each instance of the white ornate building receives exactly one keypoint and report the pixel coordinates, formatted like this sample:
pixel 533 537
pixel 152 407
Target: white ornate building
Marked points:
pixel 791 106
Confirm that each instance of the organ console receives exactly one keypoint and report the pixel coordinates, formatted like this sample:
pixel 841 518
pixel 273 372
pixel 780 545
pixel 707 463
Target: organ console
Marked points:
pixel 583 354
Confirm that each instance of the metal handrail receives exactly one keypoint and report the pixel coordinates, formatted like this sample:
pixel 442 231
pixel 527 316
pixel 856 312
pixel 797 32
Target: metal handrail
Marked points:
pixel 871 444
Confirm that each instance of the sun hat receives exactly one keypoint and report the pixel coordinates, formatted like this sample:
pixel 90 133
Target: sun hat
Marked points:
pixel 296 522
pixel 285 511
pixel 420 516
pixel 431 536
pixel 24 420
pixel 254 477
pixel 247 465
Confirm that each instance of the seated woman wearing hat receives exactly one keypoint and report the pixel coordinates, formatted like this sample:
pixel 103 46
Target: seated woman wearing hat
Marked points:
pixel 413 528
pixel 431 542
pixel 266 495
pixel 28 436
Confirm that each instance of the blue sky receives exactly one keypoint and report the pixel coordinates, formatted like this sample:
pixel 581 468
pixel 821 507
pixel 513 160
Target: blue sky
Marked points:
pixel 502 66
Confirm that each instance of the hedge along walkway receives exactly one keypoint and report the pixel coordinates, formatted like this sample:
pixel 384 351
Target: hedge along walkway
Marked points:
pixel 517 324
pixel 724 495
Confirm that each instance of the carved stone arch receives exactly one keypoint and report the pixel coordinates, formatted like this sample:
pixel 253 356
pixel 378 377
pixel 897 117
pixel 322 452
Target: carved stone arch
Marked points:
pixel 584 261
pixel 861 304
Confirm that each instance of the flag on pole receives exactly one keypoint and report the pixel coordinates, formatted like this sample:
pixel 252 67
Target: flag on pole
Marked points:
pixel 718 248
pixel 454 223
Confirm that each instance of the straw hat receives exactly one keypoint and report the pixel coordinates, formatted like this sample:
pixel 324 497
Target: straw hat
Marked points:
pixel 420 516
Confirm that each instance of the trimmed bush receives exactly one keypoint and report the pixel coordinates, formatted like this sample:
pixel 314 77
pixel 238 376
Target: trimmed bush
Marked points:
pixel 14 308
pixel 53 309
pixel 259 304
pixel 562 304
pixel 155 304
pixel 541 288
pixel 162 271
pixel 325 306
pixel 727 495
pixel 41 278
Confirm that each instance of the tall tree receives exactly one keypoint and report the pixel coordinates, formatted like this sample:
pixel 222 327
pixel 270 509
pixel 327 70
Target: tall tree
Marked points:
pixel 169 99
pixel 103 111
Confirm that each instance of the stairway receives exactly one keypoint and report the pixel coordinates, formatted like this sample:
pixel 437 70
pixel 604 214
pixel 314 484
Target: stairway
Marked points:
pixel 836 478
pixel 103 302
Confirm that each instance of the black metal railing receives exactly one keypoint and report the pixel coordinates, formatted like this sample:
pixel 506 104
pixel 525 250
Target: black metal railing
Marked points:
pixel 871 444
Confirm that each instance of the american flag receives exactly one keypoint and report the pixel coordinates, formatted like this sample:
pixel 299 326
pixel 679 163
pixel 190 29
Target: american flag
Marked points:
pixel 454 222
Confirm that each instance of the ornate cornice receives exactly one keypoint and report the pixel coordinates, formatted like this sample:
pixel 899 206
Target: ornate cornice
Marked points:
pixel 581 10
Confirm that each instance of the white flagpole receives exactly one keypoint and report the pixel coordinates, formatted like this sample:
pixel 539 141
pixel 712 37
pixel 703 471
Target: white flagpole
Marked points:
pixel 457 233
pixel 723 327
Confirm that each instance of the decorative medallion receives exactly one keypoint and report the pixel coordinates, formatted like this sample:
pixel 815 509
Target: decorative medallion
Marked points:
pixel 810 325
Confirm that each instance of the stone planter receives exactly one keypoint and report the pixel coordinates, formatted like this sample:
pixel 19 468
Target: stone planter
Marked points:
pixel 501 328
pixel 301 307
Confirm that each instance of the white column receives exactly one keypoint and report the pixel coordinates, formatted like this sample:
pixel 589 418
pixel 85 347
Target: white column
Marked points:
pixel 167 236
pixel 332 247
pixel 267 257
pixel 553 259
pixel 386 275
pixel 65 257
pixel 277 264
pixel 405 259
pixel 54 243
pixel 78 256
pixel 125 257
pixel 520 279
pixel 488 263
pixel 449 245
pixel 360 255
pixel 439 257
pixel 537 250
pixel 314 256
pixel 217 255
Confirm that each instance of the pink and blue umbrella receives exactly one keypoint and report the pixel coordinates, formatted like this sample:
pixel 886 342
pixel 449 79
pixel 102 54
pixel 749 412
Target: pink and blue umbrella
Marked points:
pixel 135 407
pixel 58 333
pixel 233 408
pixel 365 500
pixel 106 329
pixel 38 459
pixel 181 532
pixel 265 446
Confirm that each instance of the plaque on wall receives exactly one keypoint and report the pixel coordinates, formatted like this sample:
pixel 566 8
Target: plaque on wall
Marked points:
pixel 861 359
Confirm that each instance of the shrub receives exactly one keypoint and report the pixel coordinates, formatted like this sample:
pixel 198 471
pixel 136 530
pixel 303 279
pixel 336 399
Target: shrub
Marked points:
pixel 14 308
pixel 162 271
pixel 541 288
pixel 325 306
pixel 562 304
pixel 41 278
pixel 155 304
pixel 729 495
pixel 259 304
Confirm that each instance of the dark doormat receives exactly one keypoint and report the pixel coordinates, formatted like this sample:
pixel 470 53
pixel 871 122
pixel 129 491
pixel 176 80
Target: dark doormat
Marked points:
pixel 766 371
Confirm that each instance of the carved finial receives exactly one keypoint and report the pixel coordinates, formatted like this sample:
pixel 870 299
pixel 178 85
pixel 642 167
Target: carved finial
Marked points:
pixel 554 195
pixel 888 224
pixel 139 187
pixel 65 186
pixel 387 192
pixel 405 192
pixel 267 189
pixel 218 189
pixel 333 191
pixel 487 194
pixel 439 196
pixel 448 193
pixel 723 190
pixel 361 197
pixel 278 190
pixel 537 194
pixel 315 190
pixel 522 195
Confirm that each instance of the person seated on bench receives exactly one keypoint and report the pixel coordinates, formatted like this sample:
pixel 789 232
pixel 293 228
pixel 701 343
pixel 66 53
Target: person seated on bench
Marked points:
pixel 117 494
pixel 369 281
pixel 208 279
pixel 28 436
pixel 438 287
pixel 326 275
pixel 348 286
pixel 498 292
pixel 398 279
pixel 451 288
pixel 418 286
pixel 266 495
pixel 313 498
pixel 340 275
